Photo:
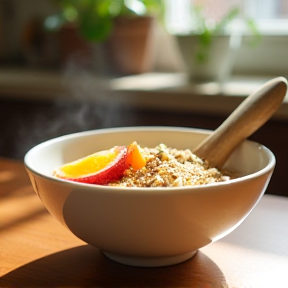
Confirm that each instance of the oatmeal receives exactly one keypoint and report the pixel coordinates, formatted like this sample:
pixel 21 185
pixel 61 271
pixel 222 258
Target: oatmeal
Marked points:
pixel 169 167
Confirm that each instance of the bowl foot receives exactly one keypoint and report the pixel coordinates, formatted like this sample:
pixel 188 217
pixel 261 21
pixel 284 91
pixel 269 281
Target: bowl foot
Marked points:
pixel 149 261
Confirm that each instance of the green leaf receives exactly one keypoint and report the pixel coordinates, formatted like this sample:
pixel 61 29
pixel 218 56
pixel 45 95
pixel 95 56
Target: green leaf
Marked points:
pixel 255 32
pixel 95 29
pixel 231 15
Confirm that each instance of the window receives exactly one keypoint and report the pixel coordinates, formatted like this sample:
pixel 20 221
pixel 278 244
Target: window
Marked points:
pixel 271 16
pixel 269 57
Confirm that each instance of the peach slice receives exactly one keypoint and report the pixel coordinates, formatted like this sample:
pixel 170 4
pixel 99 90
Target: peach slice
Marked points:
pixel 99 168
pixel 135 158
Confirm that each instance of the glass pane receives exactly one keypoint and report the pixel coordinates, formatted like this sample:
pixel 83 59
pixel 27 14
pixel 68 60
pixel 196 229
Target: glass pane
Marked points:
pixel 179 20
pixel 266 9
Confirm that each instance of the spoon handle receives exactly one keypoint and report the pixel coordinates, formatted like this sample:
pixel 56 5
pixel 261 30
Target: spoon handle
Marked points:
pixel 250 115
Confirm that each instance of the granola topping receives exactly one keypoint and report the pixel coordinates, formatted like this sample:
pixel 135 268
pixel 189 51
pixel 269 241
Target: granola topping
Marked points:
pixel 169 167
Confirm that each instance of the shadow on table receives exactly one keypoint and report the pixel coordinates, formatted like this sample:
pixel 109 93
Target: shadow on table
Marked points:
pixel 85 266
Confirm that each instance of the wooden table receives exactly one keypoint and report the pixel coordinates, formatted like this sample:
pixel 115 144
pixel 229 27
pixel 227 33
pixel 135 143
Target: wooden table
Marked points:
pixel 36 251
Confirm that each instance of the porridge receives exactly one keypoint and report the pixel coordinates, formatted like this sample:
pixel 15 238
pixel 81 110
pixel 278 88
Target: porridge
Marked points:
pixel 133 166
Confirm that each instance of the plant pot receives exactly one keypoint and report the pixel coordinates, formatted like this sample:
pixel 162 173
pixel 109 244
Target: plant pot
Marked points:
pixel 221 57
pixel 130 49
pixel 131 46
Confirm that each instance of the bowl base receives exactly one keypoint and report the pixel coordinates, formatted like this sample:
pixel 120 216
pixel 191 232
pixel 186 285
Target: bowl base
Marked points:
pixel 149 261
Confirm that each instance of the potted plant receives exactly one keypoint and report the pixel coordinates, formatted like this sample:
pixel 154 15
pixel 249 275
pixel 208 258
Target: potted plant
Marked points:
pixel 124 29
pixel 209 51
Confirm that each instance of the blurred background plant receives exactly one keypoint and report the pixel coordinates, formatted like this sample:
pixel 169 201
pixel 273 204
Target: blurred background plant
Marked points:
pixel 95 18
pixel 125 28
pixel 209 48
pixel 205 28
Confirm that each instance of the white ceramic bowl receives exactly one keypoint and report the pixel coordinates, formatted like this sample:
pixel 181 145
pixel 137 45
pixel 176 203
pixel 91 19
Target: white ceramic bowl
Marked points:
pixel 147 226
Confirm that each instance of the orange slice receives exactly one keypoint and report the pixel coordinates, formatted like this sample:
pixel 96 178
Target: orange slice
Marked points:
pixel 98 168
pixel 135 158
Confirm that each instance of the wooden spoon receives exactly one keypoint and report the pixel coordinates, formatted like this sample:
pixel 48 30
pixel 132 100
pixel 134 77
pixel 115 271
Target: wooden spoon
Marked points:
pixel 250 115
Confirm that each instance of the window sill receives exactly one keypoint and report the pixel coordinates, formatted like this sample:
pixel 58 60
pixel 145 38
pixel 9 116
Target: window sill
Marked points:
pixel 165 91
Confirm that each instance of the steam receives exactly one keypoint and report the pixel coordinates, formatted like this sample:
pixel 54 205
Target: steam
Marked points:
pixel 90 90
pixel 85 106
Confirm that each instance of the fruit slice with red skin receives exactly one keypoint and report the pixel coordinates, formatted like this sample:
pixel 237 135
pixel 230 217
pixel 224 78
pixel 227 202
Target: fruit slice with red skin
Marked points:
pixel 99 168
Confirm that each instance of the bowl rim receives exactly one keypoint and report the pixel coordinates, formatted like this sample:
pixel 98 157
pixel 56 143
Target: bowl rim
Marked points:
pixel 28 155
